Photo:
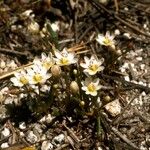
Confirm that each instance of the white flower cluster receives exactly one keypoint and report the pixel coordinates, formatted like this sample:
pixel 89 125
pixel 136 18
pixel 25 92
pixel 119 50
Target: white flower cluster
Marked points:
pixel 46 66
pixel 91 67
pixel 39 72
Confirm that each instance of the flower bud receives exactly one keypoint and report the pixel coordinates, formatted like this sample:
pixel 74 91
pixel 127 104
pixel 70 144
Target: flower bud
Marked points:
pixel 74 87
pixel 82 103
pixel 107 98
pixel 55 70
pixel 75 71
pixel 55 86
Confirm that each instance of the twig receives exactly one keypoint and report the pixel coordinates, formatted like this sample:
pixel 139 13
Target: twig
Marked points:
pixel 98 6
pixel 135 86
pixel 124 138
pixel 75 20
pixel 66 41
pixel 116 5
pixel 16 70
pixel 13 52
pixel 76 139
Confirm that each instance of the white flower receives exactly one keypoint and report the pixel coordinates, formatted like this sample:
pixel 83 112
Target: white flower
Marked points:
pixel 92 65
pixel 46 61
pixel 107 40
pixel 38 75
pixel 65 58
pixel 21 78
pixel 91 86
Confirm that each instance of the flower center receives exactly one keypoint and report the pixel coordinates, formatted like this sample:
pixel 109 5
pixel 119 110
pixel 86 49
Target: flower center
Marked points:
pixel 64 61
pixel 107 41
pixel 37 78
pixel 23 80
pixel 47 64
pixel 91 87
pixel 93 67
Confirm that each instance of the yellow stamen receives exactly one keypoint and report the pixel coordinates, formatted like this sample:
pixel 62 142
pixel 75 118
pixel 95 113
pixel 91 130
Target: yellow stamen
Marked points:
pixel 107 41
pixel 93 67
pixel 37 78
pixel 47 64
pixel 23 80
pixel 91 87
pixel 64 61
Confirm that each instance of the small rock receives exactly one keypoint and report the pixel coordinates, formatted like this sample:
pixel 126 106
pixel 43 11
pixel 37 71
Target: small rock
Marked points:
pixel 22 125
pixel 58 139
pixel 126 8
pixel 141 83
pixel 4 145
pixel 142 66
pixel 125 65
pixel 55 26
pixel 49 118
pixel 46 145
pixel 113 108
pixel 117 32
pixel 127 35
pixel 143 93
pixel 127 78
pixel 139 58
pixel 31 137
pixel 6 132
pixel 21 134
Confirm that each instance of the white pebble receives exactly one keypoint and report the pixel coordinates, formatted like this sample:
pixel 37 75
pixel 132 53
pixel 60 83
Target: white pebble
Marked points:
pixel 141 83
pixel 127 35
pixel 12 64
pixel 6 132
pixel 4 145
pixel 49 118
pixel 142 66
pixel 132 65
pixel 139 58
pixel 22 125
pixel 42 119
pixel 46 145
pixel 125 65
pixel 122 69
pixel 143 93
pixel 144 84
pixel 117 32
pixel 126 8
pixel 21 134
pixel 99 148
pixel 55 26
pixel 114 108
pixel 127 78
pixel 145 25
pixel 31 137
pixel 58 139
